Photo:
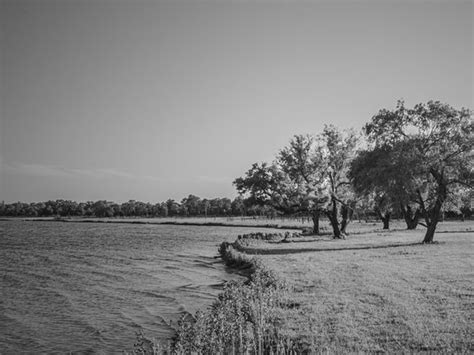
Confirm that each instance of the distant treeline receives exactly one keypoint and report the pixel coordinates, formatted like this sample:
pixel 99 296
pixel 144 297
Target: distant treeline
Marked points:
pixel 188 207
pixel 191 206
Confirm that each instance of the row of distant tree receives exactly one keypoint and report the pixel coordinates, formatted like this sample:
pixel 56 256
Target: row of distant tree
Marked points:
pixel 191 206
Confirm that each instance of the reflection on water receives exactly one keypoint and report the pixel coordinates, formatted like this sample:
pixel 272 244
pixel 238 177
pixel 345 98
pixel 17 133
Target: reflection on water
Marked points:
pixel 85 287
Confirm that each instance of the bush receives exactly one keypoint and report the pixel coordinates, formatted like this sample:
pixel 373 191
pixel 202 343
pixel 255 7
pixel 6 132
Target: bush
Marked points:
pixel 246 318
pixel 235 259
pixel 268 236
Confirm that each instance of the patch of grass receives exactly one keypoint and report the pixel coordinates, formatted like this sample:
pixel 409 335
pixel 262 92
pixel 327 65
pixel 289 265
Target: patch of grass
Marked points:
pixel 235 259
pixel 406 299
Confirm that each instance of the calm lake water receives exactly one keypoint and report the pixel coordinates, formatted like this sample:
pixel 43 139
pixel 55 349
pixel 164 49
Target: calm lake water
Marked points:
pixel 88 287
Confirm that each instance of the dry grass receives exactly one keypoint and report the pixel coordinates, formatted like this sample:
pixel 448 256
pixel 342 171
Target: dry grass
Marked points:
pixel 404 299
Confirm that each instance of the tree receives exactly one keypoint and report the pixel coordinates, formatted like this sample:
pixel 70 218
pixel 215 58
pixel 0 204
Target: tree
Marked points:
pixel 339 148
pixel 238 206
pixel 433 145
pixel 102 209
pixel 205 206
pixel 303 163
pixel 269 185
pixel 387 185
pixel 172 207
pixel 307 176
pixel 128 208
pixel 192 205
pixel 225 206
pixel 163 209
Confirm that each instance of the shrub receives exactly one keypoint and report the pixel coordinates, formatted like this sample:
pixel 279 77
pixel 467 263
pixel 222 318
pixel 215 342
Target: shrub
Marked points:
pixel 246 318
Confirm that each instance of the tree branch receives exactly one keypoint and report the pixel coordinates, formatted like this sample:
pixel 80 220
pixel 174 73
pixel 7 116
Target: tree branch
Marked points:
pixel 461 183
pixel 341 202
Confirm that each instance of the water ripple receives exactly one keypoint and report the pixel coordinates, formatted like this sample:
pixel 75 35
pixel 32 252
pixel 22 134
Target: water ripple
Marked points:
pixel 87 288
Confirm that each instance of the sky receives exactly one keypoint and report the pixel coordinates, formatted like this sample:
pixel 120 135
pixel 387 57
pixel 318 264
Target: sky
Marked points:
pixel 150 100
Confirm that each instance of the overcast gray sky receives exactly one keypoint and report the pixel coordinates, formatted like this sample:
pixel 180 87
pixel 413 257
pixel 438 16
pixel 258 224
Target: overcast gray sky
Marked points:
pixel 148 100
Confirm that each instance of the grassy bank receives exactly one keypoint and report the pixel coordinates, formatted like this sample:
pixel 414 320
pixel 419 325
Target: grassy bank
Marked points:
pixel 247 318
pixel 377 291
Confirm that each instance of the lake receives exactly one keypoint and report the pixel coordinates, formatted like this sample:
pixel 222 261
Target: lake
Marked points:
pixel 89 287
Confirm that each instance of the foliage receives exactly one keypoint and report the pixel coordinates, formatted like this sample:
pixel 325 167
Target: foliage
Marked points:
pixel 189 207
pixel 267 185
pixel 429 148
pixel 309 176
pixel 339 151
pixel 235 259
pixel 244 319
pixel 387 186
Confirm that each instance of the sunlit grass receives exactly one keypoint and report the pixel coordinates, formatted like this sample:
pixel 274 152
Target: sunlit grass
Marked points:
pixel 405 299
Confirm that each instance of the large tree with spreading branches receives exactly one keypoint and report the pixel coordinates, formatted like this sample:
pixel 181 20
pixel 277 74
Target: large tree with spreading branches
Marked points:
pixel 431 146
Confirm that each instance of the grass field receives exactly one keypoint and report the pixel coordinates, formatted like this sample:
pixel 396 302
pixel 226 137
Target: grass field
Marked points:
pixel 403 299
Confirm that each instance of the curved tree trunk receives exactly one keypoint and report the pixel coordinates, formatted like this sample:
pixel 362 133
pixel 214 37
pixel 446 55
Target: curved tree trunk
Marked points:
pixel 429 235
pixel 332 216
pixel 433 216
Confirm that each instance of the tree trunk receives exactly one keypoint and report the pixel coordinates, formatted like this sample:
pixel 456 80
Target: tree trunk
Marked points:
pixel 435 212
pixel 346 214
pixel 411 219
pixel 412 223
pixel 435 215
pixel 315 217
pixel 430 231
pixel 332 215
pixel 386 221
pixel 385 218
pixel 335 226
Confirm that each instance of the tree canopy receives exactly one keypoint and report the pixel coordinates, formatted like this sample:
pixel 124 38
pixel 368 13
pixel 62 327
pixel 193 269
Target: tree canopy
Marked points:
pixel 309 175
pixel 428 148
